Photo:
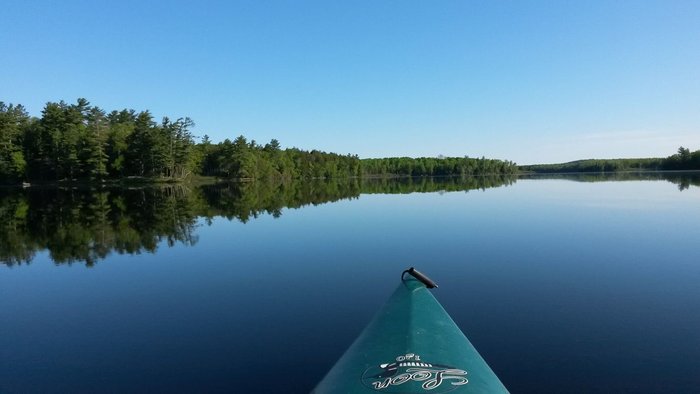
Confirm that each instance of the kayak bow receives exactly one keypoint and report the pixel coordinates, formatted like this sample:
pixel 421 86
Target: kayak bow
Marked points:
pixel 411 346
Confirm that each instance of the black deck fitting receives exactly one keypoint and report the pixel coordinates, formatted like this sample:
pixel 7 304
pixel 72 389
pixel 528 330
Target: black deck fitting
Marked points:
pixel 421 277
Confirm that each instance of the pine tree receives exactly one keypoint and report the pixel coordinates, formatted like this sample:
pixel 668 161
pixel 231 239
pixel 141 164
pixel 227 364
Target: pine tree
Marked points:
pixel 13 123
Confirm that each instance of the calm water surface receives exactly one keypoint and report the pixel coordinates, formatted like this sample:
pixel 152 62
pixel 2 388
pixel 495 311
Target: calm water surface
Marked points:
pixel 564 285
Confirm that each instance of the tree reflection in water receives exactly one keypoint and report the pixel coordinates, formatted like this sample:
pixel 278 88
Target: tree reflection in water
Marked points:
pixel 87 224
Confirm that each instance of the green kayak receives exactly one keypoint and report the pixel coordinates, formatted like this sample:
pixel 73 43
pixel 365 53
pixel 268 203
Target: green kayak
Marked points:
pixel 411 346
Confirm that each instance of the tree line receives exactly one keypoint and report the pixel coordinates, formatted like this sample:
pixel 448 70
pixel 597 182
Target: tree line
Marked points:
pixel 597 165
pixel 684 159
pixel 439 166
pixel 79 141
pixel 240 159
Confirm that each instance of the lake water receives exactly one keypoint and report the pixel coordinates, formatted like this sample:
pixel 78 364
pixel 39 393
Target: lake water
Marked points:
pixel 566 284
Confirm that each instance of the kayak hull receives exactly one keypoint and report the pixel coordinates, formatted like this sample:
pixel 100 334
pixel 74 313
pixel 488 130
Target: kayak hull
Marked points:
pixel 411 346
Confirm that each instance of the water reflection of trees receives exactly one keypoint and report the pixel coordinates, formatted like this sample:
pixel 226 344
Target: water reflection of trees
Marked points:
pixel 243 201
pixel 434 184
pixel 683 179
pixel 86 225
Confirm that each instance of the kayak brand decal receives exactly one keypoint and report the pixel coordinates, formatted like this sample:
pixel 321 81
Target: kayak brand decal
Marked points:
pixel 411 374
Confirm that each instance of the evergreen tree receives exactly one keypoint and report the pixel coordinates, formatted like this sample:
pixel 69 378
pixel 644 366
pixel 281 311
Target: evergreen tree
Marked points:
pixel 141 145
pixel 13 122
pixel 93 150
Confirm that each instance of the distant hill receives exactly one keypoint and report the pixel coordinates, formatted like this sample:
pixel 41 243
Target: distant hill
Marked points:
pixel 597 165
pixel 683 160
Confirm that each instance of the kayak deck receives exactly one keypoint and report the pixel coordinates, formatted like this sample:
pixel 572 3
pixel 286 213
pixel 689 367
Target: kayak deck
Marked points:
pixel 411 346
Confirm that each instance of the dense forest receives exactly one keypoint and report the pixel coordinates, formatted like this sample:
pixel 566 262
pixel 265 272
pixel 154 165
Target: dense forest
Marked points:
pixel 439 166
pixel 81 142
pixel 684 159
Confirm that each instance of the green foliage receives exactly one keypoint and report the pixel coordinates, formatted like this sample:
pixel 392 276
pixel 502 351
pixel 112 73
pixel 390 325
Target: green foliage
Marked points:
pixel 121 126
pixel 93 152
pixel 72 142
pixel 594 165
pixel 13 120
pixel 440 166
pixel 82 142
pixel 241 159
pixel 683 160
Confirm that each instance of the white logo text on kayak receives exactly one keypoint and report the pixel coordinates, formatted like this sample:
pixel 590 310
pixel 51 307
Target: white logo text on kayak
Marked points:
pixel 410 370
pixel 431 378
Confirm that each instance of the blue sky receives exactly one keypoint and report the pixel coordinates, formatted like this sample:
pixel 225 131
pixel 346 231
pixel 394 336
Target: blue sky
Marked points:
pixel 531 82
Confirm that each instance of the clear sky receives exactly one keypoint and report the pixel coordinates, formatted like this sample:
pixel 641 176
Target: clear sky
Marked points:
pixel 531 82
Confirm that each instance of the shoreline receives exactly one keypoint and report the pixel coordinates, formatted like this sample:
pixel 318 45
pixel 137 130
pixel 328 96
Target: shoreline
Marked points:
pixel 208 180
